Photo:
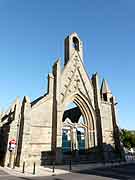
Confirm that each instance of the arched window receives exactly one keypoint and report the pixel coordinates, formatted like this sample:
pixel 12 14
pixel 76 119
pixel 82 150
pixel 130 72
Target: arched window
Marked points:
pixel 81 138
pixel 76 43
pixel 105 96
pixel 66 139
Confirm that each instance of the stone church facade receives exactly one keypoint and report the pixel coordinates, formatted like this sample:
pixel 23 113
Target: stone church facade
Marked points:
pixel 46 130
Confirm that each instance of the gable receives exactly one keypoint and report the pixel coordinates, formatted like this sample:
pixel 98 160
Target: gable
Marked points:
pixel 75 79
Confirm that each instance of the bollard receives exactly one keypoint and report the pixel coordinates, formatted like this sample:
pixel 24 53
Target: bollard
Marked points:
pixel 104 162
pixel 10 158
pixel 34 168
pixel 119 161
pixel 53 166
pixel 14 165
pixel 23 170
pixel 113 163
pixel 70 165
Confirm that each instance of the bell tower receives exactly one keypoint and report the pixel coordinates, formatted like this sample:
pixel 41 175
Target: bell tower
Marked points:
pixel 73 45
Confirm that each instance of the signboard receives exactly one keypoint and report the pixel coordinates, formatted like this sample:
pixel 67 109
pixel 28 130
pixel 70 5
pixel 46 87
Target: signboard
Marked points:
pixel 12 144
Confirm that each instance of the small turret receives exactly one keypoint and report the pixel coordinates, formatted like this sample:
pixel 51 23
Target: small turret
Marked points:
pixel 105 91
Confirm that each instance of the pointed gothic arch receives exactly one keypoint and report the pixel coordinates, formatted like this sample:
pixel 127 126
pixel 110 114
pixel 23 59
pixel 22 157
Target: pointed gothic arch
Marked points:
pixel 88 114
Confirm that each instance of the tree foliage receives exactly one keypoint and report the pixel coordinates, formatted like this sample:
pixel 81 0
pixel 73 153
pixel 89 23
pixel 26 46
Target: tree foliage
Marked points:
pixel 128 138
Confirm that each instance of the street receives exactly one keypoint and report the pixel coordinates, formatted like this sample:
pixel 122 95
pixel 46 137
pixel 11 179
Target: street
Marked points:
pixel 123 172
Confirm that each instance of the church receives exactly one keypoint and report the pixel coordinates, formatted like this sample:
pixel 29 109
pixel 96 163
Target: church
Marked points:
pixel 75 120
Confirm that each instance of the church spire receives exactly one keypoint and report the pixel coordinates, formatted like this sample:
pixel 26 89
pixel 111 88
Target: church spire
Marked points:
pixel 105 91
pixel 105 87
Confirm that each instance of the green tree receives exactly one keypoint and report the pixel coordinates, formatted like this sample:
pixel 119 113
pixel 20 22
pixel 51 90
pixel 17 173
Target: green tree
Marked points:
pixel 128 138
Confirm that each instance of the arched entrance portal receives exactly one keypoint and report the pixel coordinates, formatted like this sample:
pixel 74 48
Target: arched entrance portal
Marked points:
pixel 74 130
pixel 78 132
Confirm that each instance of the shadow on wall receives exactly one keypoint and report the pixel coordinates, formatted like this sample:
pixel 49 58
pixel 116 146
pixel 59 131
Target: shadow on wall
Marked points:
pixel 105 153
pixel 4 134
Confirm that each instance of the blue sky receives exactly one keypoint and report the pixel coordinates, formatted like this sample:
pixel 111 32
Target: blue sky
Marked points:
pixel 32 36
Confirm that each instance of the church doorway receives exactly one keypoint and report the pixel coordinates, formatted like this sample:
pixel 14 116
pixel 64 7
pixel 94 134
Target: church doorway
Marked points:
pixel 74 130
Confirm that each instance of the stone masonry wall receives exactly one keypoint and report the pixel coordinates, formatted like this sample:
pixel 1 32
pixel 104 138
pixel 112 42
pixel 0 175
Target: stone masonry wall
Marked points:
pixel 107 125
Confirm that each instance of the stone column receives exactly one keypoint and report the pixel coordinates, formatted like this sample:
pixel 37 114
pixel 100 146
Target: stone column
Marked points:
pixel 50 83
pixel 57 113
pixel 75 142
pixel 116 132
pixel 24 150
pixel 97 102
pixel 14 118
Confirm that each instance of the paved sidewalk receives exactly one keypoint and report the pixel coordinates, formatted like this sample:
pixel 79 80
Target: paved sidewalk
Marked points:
pixel 47 170
pixel 39 171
